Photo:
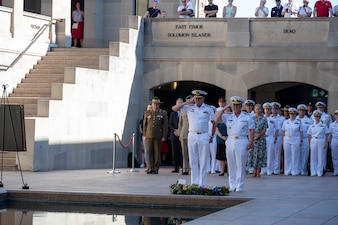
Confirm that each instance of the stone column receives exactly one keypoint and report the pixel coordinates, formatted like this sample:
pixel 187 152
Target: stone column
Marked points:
pixel 93 23
pixel 17 27
pixel 332 102
pixel 59 9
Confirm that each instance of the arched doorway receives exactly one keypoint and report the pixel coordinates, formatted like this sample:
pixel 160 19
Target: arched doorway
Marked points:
pixel 169 92
pixel 288 93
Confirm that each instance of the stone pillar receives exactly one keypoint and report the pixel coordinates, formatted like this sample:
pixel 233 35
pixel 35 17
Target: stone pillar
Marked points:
pixel 59 9
pixel 17 27
pixel 332 102
pixel 93 24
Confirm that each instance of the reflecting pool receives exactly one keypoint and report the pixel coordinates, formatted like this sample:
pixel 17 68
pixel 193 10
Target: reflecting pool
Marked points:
pixel 55 214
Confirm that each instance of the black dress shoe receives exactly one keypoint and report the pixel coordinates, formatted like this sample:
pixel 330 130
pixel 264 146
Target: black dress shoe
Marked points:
pixel 185 173
pixel 150 172
pixel 221 174
pixel 155 171
pixel 175 171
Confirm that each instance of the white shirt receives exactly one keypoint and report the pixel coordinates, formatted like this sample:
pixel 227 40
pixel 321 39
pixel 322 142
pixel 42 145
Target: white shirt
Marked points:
pixel 325 118
pixel 303 13
pixel 272 126
pixel 188 7
pixel 280 120
pixel 292 128
pixel 261 14
pixel 318 130
pixel 238 126
pixel 292 10
pixel 306 123
pixel 334 129
pixel 198 117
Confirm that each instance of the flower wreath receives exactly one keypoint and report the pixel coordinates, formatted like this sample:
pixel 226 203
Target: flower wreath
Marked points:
pixel 194 189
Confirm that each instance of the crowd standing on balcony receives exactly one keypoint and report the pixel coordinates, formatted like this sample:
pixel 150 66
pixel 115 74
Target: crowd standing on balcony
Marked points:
pixel 321 8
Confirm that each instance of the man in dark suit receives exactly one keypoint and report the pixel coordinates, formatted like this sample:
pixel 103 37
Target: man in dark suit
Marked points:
pixel 175 142
pixel 277 11
pixel 155 130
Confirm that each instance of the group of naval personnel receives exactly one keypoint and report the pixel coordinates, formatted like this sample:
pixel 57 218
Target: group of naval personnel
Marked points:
pixel 260 139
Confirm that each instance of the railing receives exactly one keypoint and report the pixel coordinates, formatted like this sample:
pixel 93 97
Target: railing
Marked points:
pixel 36 36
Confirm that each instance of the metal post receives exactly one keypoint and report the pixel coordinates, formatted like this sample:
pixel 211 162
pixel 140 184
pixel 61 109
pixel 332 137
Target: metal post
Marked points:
pixel 114 156
pixel 133 156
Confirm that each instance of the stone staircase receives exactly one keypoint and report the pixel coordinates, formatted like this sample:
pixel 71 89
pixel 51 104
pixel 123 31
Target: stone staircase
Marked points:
pixel 50 69
pixel 37 83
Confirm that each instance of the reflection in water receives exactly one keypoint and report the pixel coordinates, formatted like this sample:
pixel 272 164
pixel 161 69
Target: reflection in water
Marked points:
pixel 20 217
pixel 29 213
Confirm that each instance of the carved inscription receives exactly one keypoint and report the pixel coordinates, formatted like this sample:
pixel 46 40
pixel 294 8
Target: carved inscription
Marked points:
pixel 189 31
pixel 289 31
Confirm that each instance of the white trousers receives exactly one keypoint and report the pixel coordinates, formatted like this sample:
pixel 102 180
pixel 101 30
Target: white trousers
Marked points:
pixel 277 155
pixel 317 152
pixel 334 153
pixel 212 166
pixel 199 157
pixel 236 158
pixel 270 154
pixel 304 156
pixel 291 155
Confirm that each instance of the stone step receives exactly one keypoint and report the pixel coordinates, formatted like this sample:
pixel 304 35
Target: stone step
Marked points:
pixel 56 64
pixel 57 70
pixel 30 109
pixel 44 75
pixel 44 80
pixel 9 161
pixel 45 95
pixel 20 101
pixel 35 85
pixel 32 90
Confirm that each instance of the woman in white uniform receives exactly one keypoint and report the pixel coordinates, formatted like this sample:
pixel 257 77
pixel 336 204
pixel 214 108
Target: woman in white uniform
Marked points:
pixel 334 143
pixel 318 140
pixel 292 134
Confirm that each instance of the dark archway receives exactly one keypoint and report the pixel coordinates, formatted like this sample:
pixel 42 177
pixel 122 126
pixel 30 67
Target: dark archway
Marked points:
pixel 288 93
pixel 168 94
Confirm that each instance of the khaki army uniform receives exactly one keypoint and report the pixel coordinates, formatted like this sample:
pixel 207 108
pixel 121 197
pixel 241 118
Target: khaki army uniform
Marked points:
pixel 155 127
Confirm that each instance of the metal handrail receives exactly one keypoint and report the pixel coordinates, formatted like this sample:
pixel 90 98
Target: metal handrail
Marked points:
pixel 36 36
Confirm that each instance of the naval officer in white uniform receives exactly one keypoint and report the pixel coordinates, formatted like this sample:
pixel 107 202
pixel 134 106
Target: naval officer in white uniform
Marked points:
pixel 240 127
pixel 199 116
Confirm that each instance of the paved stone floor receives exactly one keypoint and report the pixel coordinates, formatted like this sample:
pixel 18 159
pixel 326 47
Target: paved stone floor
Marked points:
pixel 276 199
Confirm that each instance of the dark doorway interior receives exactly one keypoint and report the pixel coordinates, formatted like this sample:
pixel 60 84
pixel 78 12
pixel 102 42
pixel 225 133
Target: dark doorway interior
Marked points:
pixel 73 2
pixel 168 95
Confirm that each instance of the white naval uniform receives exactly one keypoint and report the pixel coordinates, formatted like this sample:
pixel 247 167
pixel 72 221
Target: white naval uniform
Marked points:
pixel 304 148
pixel 327 120
pixel 238 133
pixel 317 133
pixel 212 166
pixel 278 145
pixel 334 146
pixel 291 145
pixel 270 145
pixel 198 141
